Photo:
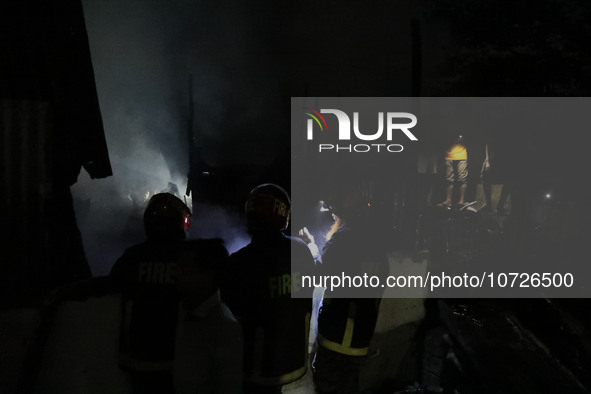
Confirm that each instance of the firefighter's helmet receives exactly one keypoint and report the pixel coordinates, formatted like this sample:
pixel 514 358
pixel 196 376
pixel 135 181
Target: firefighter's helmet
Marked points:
pixel 267 209
pixel 166 216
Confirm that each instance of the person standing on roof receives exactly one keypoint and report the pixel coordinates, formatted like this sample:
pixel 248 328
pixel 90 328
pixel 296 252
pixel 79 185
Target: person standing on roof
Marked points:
pixel 456 171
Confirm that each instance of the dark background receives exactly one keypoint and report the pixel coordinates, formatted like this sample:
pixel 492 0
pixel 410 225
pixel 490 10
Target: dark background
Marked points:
pixel 105 86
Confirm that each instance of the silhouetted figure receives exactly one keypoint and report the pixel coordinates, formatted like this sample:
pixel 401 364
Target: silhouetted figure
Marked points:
pixel 345 324
pixel 258 289
pixel 147 275
pixel 427 161
pixel 456 171
pixel 487 175
pixel 208 355
pixel 494 173
pixel 505 193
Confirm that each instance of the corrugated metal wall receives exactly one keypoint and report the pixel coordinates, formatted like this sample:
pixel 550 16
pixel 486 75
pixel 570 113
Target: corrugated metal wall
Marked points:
pixel 35 214
pixel 26 181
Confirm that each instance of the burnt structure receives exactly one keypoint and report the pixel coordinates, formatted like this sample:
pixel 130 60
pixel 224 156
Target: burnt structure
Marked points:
pixel 51 128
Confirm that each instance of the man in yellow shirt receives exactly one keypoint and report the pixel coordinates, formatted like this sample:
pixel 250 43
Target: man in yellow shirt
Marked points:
pixel 456 171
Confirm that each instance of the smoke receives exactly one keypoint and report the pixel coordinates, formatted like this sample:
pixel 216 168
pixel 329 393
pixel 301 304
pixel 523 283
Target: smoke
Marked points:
pixel 143 53
pixel 210 221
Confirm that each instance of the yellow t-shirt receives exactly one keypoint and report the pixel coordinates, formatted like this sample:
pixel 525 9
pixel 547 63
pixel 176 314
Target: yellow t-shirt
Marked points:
pixel 457 152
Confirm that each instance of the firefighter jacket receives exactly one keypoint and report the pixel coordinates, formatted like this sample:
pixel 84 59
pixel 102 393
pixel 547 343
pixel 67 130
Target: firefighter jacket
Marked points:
pixel 345 324
pixel 146 275
pixel 258 289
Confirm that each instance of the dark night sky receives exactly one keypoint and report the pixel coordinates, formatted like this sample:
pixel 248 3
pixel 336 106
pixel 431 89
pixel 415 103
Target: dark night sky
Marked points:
pixel 246 59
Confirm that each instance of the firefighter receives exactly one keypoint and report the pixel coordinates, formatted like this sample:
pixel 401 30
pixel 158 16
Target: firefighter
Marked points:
pixel 146 275
pixel 258 289
pixel 346 322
